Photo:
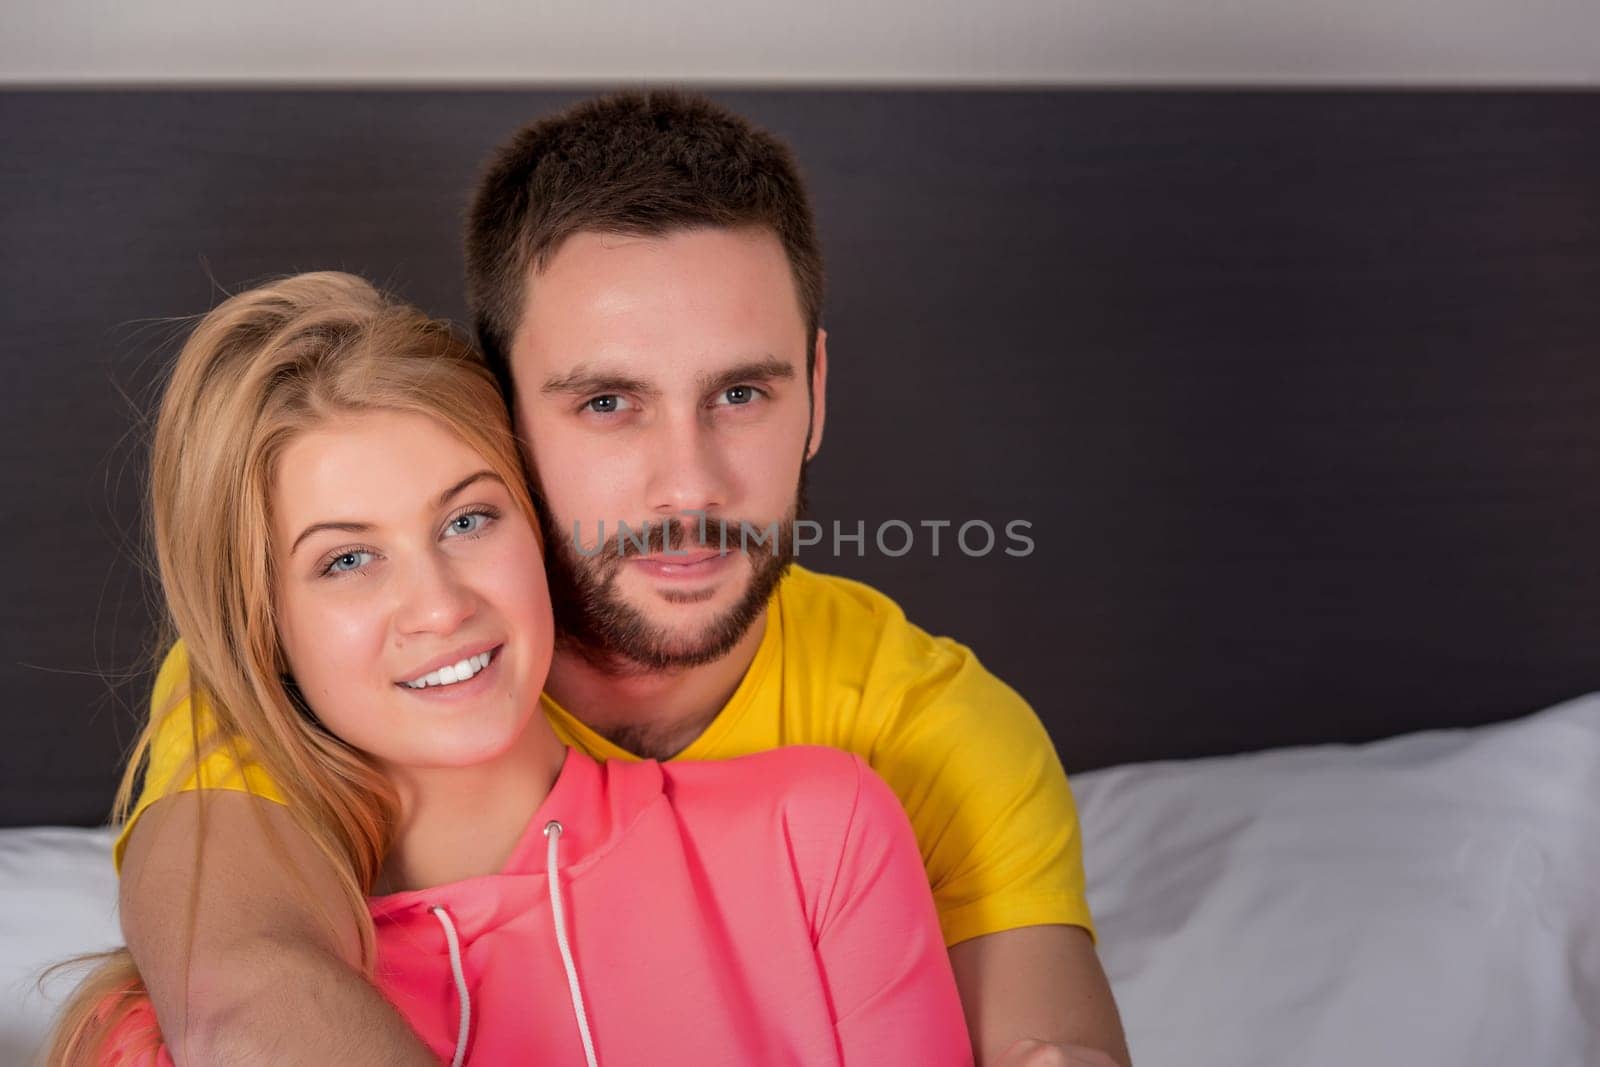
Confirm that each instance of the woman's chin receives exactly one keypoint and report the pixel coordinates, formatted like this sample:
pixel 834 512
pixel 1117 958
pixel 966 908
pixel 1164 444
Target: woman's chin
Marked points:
pixel 468 741
pixel 476 751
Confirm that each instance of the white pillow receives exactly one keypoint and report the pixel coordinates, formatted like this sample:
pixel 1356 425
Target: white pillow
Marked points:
pixel 1432 899
pixel 58 899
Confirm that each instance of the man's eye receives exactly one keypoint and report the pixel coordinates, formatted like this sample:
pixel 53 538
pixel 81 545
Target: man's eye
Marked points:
pixel 740 394
pixel 606 405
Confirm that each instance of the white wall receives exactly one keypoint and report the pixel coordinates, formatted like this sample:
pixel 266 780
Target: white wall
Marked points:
pixel 1451 42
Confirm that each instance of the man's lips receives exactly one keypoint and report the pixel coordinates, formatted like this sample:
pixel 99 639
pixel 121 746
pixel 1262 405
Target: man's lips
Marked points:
pixel 682 559
pixel 701 564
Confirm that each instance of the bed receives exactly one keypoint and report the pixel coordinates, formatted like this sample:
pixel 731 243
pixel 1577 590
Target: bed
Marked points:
pixel 1297 390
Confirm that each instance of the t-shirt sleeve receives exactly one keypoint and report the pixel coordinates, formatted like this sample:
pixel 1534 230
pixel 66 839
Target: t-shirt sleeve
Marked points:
pixel 986 794
pixel 884 964
pixel 180 732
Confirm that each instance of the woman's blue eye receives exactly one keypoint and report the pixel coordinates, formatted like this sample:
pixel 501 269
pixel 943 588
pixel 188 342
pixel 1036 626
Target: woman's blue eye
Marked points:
pixel 604 405
pixel 471 522
pixel 347 561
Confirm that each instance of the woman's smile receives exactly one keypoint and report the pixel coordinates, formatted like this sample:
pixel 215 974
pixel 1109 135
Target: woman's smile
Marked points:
pixel 466 679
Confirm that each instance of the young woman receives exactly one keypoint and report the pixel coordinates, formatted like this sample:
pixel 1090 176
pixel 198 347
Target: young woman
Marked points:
pixel 349 554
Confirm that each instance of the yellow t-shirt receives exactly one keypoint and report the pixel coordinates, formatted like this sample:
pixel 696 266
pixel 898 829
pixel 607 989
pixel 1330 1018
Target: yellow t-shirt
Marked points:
pixel 840 665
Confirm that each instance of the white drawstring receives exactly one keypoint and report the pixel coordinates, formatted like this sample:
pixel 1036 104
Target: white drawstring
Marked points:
pixel 463 998
pixel 552 832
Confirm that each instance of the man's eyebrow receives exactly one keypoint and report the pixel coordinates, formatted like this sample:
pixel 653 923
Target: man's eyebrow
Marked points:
pixel 583 380
pixel 755 371
pixel 362 527
pixel 586 381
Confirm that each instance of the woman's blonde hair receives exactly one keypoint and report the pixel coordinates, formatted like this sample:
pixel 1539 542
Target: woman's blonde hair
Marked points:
pixel 260 369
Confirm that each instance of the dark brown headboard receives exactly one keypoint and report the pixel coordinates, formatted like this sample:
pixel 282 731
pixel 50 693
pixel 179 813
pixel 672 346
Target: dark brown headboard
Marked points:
pixel 1300 391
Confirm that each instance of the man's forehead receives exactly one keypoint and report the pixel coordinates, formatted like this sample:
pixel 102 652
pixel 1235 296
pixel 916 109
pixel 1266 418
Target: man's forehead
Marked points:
pixel 659 315
pixel 645 280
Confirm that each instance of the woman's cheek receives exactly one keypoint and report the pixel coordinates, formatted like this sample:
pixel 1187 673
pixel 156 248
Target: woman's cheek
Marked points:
pixel 337 639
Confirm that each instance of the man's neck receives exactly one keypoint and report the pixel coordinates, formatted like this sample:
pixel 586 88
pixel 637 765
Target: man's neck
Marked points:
pixel 651 714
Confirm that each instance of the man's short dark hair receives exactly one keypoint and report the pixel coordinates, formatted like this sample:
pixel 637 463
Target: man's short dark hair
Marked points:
pixel 637 163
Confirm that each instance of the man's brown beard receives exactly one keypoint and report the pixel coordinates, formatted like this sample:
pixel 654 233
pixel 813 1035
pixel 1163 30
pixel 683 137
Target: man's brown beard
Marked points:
pixel 594 621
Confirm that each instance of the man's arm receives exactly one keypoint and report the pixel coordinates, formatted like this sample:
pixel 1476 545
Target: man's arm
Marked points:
pixel 265 969
pixel 1042 983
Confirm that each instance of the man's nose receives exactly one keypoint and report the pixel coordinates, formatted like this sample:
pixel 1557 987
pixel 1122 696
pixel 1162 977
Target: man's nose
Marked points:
pixel 689 470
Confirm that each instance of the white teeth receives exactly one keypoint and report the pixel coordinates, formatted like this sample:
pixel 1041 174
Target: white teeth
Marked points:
pixel 456 672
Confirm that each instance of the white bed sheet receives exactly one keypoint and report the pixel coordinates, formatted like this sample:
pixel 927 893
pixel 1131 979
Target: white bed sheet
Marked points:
pixel 1429 900
pixel 58 899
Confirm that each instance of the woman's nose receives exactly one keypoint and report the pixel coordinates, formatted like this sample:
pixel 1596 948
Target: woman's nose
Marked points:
pixel 435 599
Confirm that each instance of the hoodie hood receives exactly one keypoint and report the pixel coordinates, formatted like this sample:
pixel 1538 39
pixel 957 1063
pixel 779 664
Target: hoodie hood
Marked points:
pixel 596 805
pixel 600 803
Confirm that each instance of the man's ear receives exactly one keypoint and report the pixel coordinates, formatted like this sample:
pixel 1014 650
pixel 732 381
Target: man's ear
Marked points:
pixel 819 392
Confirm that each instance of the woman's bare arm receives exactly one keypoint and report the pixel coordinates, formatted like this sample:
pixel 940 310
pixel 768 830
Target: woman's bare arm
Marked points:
pixel 272 973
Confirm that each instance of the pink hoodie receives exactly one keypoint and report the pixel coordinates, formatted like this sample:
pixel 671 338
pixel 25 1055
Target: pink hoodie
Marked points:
pixel 771 909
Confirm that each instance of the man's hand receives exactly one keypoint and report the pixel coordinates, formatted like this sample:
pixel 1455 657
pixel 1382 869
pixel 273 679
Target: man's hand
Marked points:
pixel 253 958
pixel 1038 984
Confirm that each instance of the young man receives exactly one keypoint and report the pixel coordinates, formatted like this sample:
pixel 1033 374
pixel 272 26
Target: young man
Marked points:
pixel 646 280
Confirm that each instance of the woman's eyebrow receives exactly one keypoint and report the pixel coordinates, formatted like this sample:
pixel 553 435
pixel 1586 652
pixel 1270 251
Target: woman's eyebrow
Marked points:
pixel 486 473
pixel 362 527
pixel 318 527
